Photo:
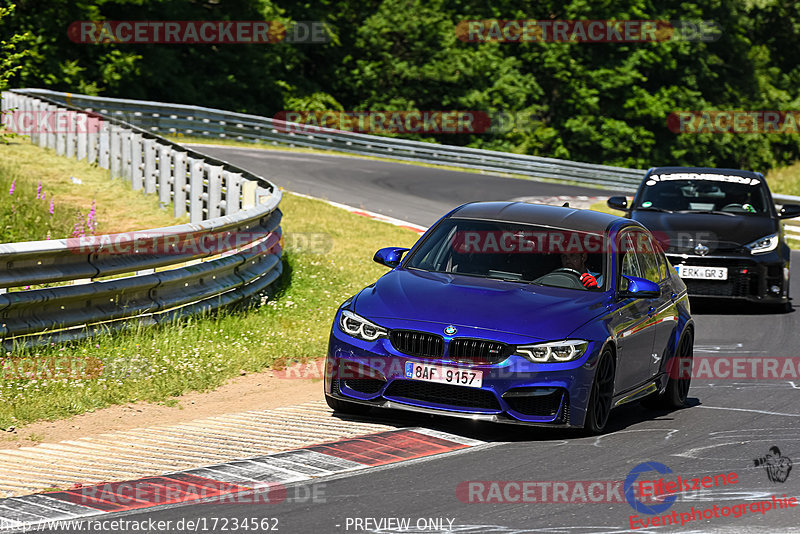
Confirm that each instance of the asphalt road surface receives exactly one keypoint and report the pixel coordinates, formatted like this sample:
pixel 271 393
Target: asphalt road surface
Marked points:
pixel 728 425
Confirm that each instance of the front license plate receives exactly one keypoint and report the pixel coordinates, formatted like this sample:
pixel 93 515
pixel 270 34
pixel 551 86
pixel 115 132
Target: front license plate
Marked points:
pixel 703 273
pixel 444 374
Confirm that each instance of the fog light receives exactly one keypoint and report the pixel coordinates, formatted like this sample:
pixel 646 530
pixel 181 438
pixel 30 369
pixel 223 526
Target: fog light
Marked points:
pixel 774 289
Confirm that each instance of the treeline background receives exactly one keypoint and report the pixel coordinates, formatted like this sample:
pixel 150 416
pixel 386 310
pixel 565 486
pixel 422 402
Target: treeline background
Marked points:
pixel 594 102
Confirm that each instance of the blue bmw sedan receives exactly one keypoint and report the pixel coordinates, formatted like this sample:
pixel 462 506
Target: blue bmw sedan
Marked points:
pixel 518 313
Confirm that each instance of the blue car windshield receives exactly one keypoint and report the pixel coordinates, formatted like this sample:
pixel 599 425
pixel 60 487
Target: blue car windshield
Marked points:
pixel 704 192
pixel 514 252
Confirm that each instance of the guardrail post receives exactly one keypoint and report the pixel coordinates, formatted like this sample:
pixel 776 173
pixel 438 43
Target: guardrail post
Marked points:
pixel 195 190
pixel 125 154
pixel 164 176
pixel 51 136
pixel 35 109
pixel 115 152
pixel 179 184
pixel 93 139
pixel 149 166
pixel 233 192
pixel 25 110
pixel 104 139
pixel 61 139
pixel 42 118
pixel 137 166
pixel 82 135
pixel 214 191
pixel 248 193
pixel 71 125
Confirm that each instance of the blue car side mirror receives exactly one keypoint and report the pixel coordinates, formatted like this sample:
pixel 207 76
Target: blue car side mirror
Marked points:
pixel 389 256
pixel 640 288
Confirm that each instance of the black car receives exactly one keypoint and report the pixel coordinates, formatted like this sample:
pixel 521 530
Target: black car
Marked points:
pixel 719 228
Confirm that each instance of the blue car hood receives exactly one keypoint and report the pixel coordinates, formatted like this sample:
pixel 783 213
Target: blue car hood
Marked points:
pixel 532 310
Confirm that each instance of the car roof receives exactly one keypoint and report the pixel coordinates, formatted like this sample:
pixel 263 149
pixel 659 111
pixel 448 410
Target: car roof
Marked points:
pixel 541 215
pixel 704 170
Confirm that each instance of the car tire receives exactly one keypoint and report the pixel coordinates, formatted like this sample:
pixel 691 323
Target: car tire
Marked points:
pixel 599 406
pixel 674 395
pixel 349 408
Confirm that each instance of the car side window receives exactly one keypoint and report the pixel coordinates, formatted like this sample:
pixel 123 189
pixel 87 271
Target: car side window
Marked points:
pixel 663 267
pixel 646 254
pixel 628 264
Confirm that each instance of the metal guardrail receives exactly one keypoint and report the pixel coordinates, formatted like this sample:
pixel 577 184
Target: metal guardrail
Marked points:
pixel 215 123
pixel 229 252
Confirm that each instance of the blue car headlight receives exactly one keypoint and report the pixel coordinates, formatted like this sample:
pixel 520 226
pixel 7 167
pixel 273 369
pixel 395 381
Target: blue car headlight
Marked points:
pixel 553 351
pixel 354 325
pixel 765 244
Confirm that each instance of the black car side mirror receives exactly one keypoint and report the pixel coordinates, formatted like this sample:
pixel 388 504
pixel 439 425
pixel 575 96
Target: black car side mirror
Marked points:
pixel 617 203
pixel 789 211
pixel 389 256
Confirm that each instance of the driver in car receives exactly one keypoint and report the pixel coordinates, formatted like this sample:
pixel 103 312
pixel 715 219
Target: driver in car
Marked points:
pixel 576 261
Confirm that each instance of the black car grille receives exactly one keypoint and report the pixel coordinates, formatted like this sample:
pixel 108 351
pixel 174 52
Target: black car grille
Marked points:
pixel 537 405
pixel 463 350
pixel 413 343
pixel 738 284
pixel 480 351
pixel 365 385
pixel 447 394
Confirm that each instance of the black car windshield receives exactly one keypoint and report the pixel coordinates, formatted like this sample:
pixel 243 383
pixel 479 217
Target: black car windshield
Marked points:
pixel 706 192
pixel 514 252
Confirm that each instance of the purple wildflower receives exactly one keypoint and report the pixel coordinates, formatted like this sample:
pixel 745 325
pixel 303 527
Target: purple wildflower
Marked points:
pixel 77 229
pixel 90 222
pixel 39 194
pixel 52 207
pixel 13 185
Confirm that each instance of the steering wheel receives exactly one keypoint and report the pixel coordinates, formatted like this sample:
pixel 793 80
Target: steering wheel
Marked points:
pixel 562 277
pixel 568 270
pixel 733 206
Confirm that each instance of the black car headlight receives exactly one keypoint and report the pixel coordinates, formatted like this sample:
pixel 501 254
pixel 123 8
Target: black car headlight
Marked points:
pixel 553 351
pixel 354 325
pixel 765 244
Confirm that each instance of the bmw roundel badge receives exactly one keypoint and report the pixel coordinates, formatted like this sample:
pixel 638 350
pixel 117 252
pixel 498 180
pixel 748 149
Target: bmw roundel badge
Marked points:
pixel 450 330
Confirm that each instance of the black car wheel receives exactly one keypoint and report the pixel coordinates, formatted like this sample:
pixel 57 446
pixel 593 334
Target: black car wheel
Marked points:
pixel 599 407
pixel 679 377
pixel 350 408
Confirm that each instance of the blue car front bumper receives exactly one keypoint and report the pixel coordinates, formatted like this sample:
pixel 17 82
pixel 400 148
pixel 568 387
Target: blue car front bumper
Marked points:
pixel 512 391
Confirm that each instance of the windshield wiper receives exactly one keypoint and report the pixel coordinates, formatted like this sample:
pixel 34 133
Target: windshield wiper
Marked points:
pixel 652 208
pixel 715 212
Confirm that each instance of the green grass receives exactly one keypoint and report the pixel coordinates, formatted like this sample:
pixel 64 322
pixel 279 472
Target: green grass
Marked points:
pixel 156 364
pixel 785 180
pixel 26 218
